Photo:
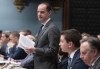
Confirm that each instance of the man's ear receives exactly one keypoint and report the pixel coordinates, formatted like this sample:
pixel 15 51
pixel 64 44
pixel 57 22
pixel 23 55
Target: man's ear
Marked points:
pixel 50 13
pixel 70 44
pixel 94 52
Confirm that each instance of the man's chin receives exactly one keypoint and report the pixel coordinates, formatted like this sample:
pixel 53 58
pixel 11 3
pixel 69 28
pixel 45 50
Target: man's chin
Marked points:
pixel 87 63
pixel 41 20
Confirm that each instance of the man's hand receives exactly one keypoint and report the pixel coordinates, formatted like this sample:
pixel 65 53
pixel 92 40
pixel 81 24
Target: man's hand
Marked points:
pixel 30 50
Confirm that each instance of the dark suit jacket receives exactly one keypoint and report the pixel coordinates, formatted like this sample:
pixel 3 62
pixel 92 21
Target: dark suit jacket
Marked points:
pixel 97 64
pixel 17 53
pixel 77 62
pixel 28 62
pixel 3 50
pixel 47 47
pixel 63 64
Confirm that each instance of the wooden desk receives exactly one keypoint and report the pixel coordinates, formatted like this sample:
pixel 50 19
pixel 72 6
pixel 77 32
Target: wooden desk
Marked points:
pixel 1 67
pixel 18 68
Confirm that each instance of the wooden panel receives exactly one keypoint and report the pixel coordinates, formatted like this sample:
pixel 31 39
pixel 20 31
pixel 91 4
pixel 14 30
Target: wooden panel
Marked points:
pixel 85 15
pixel 65 14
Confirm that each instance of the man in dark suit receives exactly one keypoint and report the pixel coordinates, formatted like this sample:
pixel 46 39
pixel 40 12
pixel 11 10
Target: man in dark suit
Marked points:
pixel 4 50
pixel 63 58
pixel 16 52
pixel 90 52
pixel 70 43
pixel 47 44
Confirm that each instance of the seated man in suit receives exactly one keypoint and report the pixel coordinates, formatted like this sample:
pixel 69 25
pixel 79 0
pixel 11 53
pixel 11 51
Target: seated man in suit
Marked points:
pixel 70 43
pixel 4 51
pixel 16 52
pixel 90 52
pixel 63 58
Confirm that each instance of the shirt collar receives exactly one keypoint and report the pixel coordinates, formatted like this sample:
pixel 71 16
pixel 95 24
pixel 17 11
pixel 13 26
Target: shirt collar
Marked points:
pixel 72 54
pixel 95 60
pixel 46 21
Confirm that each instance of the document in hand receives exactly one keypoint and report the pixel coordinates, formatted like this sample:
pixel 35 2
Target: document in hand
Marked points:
pixel 25 42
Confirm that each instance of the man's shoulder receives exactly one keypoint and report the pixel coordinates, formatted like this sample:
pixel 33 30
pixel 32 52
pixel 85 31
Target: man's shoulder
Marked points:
pixel 76 57
pixel 97 63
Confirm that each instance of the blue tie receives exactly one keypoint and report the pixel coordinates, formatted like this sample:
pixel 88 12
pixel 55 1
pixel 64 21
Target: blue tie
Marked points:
pixel 90 67
pixel 69 63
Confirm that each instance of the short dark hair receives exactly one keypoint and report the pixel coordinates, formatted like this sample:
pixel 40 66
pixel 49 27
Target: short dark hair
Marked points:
pixel 27 31
pixel 48 6
pixel 0 31
pixel 94 42
pixel 72 35
pixel 6 33
pixel 15 34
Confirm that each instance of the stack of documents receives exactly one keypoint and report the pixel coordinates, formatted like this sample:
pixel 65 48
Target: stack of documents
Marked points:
pixel 25 42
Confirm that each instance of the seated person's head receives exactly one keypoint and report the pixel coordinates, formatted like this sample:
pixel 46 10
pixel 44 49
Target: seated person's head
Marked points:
pixel 90 49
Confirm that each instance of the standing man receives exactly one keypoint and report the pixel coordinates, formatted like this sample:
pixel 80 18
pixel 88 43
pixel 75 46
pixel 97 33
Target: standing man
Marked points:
pixel 90 52
pixel 47 44
pixel 70 43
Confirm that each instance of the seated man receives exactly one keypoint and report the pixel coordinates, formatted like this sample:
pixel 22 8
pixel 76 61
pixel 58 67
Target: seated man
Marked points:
pixel 16 52
pixel 90 52
pixel 4 51
pixel 70 43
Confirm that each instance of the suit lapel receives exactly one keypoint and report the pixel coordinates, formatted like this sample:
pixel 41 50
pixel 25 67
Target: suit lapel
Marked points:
pixel 76 55
pixel 42 32
pixel 96 63
pixel 44 29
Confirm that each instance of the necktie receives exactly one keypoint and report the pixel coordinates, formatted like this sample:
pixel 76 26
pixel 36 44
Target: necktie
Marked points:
pixel 90 67
pixel 40 29
pixel 69 63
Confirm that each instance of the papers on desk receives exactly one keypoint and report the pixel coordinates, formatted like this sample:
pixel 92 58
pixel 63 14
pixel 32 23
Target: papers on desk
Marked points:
pixel 25 42
pixel 16 63
pixel 12 62
pixel 10 65
pixel 3 61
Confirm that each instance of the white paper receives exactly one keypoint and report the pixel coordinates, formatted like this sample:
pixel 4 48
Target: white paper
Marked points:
pixel 3 61
pixel 25 42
